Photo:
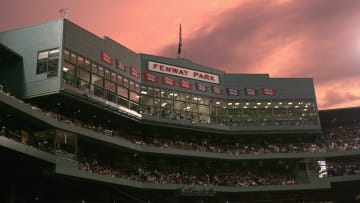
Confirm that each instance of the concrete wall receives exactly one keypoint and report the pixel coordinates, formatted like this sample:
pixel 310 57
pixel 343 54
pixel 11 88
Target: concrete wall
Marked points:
pixel 88 45
pixel 27 42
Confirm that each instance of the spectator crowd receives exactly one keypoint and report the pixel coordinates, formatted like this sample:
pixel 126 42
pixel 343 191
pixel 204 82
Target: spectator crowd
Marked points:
pixel 235 179
pixel 342 138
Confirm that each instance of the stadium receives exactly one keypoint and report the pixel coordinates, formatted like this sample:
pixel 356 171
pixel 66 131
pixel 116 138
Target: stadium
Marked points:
pixel 85 119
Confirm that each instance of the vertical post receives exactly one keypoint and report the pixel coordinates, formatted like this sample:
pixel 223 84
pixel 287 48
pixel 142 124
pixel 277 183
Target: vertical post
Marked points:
pixel 180 54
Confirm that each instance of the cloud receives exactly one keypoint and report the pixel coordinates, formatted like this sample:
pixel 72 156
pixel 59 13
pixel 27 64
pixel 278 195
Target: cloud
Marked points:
pixel 340 94
pixel 318 39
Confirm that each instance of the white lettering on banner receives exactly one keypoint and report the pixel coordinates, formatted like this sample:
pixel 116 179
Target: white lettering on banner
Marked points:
pixel 151 77
pixel 216 90
pixel 201 87
pixel 120 65
pixel 168 81
pixel 183 72
pixel 134 72
pixel 185 84
pixel 106 58
pixel 268 91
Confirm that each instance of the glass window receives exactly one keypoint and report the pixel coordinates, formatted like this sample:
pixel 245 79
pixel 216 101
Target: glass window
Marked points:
pixel 53 65
pixel 280 112
pixel 110 96
pixel 122 91
pixel 132 85
pixel 54 53
pixel 107 74
pixel 182 96
pixel 52 73
pixel 180 108
pixel 43 55
pixel 164 94
pixel 97 80
pixel 48 62
pixel 113 77
pixel 66 55
pixel 150 91
pixel 122 101
pixel 147 104
pixel 70 79
pixel 119 80
pixel 87 65
pixel 157 92
pixel 53 68
pixel 69 68
pixel 101 71
pixel 110 86
pixel 41 67
pixel 94 68
pixel 98 91
pixel 83 75
pixel 80 62
pixel 126 82
pixel 134 106
pixel 147 90
pixel 73 58
pixel 134 97
pixel 137 88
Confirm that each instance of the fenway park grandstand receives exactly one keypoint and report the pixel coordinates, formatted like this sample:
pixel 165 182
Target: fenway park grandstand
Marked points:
pixel 84 119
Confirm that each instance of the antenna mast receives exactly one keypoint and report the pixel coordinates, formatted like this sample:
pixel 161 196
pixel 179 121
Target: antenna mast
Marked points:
pixel 64 12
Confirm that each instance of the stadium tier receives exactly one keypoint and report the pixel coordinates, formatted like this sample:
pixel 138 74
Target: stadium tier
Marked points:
pixel 85 119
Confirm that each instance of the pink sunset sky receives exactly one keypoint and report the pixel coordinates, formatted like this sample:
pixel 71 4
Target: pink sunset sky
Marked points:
pixel 319 39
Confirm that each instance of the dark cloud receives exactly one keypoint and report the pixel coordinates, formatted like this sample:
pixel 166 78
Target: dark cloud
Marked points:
pixel 318 39
pixel 247 39
pixel 335 98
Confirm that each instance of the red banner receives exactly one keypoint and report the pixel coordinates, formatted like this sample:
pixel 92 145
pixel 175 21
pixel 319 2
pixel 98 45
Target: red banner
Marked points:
pixel 201 87
pixel 232 92
pixel 106 58
pixel 250 91
pixel 151 77
pixel 268 91
pixel 216 90
pixel 134 72
pixel 185 84
pixel 120 65
pixel 168 81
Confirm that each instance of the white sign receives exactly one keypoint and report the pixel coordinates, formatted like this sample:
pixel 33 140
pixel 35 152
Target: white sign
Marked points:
pixel 183 72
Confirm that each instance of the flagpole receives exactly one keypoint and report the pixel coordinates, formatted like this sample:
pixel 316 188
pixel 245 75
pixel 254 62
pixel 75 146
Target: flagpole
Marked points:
pixel 180 53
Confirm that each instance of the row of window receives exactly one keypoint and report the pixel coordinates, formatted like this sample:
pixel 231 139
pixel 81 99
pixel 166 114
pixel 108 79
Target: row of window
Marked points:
pixel 102 82
pixel 48 62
